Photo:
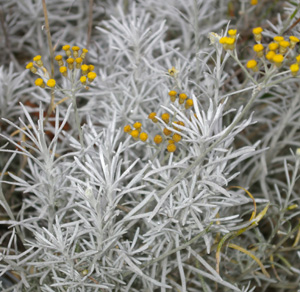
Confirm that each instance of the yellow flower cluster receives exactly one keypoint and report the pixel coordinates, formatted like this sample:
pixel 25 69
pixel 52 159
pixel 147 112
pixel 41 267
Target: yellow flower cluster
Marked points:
pixel 182 99
pixel 73 62
pixel 229 42
pixel 136 133
pixel 170 132
pixel 167 134
pixel 275 52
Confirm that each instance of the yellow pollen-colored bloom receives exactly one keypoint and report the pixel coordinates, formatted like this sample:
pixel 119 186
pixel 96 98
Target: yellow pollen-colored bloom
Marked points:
pixel 78 63
pixel 158 139
pixel 257 30
pixel 66 48
pixel 283 47
pixel 165 117
pixel 189 103
pixel 230 43
pixel 278 39
pixel 298 59
pixel 83 79
pixel 134 133
pixel 91 76
pixel 58 57
pixel 39 82
pixel 294 69
pixel 171 147
pixel 70 62
pixel 223 41
pixel 294 40
pixel 127 129
pixel 232 33
pixel 31 67
pixel 257 33
pixel 182 98
pixel 273 46
pixel 152 116
pixel 84 52
pixel 252 64
pixel 278 59
pixel 143 136
pixel 176 137
pixel 51 83
pixel 270 55
pixel 59 60
pixel 173 95
pixel 84 69
pixel 253 2
pixel 137 125
pixel 167 132
pixel 259 49
pixel 63 70
pixel 38 60
pixel 75 51
pixel 91 68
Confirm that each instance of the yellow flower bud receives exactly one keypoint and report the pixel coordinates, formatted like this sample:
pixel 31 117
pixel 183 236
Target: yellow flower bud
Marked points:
pixel 171 147
pixel 294 69
pixel 70 62
pixel 83 80
pixel 259 49
pixel 143 137
pixel 64 71
pixel 158 139
pixel 39 82
pixel 127 129
pixel 252 64
pixel 51 83
pixel 91 76
pixel 67 50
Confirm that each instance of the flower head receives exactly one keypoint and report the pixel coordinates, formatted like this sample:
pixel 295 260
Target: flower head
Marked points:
pixel 283 47
pixel 31 67
pixel 51 83
pixel 39 82
pixel 294 69
pixel 165 117
pixel 38 60
pixel 172 94
pixel 64 71
pixel 171 147
pixel 273 46
pixel 257 33
pixel 259 49
pixel 158 139
pixel 83 79
pixel 293 40
pixel 252 64
pixel 127 129
pixel 278 59
pixel 143 137
pixel 66 48
pixel 91 76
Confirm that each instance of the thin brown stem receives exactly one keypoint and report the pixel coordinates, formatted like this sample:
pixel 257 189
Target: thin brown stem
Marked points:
pixel 90 23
